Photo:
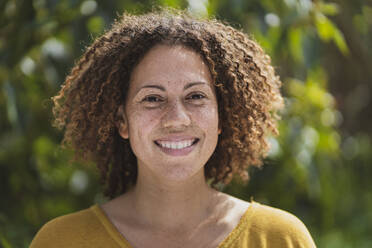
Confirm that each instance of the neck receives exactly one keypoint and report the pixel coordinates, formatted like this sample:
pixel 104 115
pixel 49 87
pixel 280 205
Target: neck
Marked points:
pixel 172 205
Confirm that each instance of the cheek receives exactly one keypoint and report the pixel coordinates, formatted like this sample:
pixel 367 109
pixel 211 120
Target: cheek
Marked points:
pixel 141 123
pixel 140 128
pixel 208 120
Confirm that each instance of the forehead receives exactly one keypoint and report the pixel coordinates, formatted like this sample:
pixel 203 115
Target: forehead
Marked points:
pixel 170 64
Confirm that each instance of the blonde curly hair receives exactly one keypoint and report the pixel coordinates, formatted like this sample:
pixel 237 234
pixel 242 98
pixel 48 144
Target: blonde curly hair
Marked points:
pixel 247 89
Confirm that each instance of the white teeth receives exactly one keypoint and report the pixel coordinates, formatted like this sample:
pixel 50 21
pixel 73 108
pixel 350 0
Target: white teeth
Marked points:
pixel 175 145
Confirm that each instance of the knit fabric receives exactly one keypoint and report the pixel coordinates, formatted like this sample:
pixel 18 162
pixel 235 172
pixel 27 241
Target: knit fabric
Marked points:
pixel 260 227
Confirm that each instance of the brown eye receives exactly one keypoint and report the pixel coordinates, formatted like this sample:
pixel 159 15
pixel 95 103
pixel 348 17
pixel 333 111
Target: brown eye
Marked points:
pixel 196 96
pixel 152 99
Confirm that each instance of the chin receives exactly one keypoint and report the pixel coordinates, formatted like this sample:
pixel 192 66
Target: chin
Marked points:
pixel 181 173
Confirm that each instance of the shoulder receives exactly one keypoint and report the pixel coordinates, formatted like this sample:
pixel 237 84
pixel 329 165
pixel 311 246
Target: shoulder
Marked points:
pixel 279 226
pixel 68 230
pixel 66 223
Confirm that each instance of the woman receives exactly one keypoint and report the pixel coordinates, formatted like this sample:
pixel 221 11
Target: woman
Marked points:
pixel 169 106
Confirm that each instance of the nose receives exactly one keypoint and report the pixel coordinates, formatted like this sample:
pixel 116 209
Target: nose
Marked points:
pixel 176 116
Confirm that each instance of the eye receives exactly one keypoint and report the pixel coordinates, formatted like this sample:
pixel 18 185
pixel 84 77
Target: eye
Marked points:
pixel 196 96
pixel 152 98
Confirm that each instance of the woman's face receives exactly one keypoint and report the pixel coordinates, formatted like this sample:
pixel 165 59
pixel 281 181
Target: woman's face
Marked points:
pixel 171 113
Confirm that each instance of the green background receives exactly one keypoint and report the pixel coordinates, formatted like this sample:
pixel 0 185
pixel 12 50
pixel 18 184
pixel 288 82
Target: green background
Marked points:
pixel 319 167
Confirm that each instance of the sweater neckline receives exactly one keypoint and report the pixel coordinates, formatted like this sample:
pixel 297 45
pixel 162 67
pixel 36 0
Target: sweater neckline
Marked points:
pixel 124 243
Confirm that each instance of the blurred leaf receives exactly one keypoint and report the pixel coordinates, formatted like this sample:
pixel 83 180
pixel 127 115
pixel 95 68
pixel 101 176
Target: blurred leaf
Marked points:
pixel 360 24
pixel 329 142
pixel 95 25
pixel 325 27
pixel 339 39
pixel 171 3
pixel 328 8
pixel 295 44
pixel 4 243
pixel 328 31
pixel 367 13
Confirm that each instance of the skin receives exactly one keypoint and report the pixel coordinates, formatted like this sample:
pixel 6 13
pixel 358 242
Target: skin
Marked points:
pixel 172 98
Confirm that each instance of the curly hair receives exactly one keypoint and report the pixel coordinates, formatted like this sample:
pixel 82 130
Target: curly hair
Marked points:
pixel 247 89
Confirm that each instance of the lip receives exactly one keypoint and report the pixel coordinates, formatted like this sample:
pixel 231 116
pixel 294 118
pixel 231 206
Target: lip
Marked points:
pixel 177 152
pixel 176 138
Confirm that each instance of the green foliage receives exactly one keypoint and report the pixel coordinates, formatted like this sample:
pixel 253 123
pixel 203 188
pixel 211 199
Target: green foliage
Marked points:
pixel 317 169
pixel 327 31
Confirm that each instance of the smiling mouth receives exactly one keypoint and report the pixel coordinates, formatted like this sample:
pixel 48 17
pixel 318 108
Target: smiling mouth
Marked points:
pixel 176 145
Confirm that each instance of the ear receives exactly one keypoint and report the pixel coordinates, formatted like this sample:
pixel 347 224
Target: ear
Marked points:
pixel 122 123
pixel 219 130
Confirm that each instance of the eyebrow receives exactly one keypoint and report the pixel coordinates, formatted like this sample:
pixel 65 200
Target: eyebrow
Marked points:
pixel 189 85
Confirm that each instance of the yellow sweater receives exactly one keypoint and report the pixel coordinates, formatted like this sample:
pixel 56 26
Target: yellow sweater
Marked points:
pixel 260 227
